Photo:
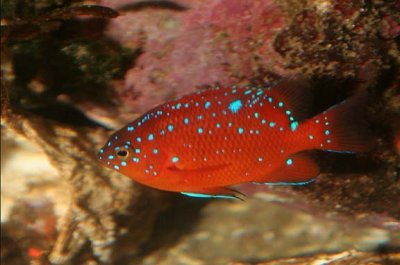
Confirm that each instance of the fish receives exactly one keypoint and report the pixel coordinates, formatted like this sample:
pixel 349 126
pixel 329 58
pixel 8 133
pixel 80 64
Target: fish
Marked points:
pixel 205 143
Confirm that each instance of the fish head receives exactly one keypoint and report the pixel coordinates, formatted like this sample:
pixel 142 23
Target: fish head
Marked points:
pixel 134 153
pixel 118 153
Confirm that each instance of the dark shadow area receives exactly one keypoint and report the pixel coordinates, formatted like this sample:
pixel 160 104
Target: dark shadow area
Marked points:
pixel 177 220
pixel 76 61
pixel 327 92
pixel 142 5
pixel 385 250
pixel 11 252
pixel 341 163
pixel 65 114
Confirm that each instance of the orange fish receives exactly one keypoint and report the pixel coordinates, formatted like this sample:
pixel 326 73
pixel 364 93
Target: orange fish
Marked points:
pixel 203 143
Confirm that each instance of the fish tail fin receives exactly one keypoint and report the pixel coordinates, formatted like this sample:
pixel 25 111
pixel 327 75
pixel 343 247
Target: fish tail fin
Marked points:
pixel 342 128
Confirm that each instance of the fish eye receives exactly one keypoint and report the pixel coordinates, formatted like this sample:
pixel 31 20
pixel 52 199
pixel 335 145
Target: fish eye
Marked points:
pixel 122 153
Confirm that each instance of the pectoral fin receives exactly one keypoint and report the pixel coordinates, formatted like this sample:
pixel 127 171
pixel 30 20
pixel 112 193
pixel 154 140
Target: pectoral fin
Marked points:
pixel 195 171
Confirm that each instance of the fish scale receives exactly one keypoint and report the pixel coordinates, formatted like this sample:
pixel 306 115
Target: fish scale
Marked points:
pixel 230 144
pixel 203 143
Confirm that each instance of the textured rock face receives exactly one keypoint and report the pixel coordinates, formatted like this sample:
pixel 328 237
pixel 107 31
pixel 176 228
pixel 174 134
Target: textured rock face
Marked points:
pixel 258 230
pixel 212 42
pixel 70 75
pixel 234 42
pixel 343 258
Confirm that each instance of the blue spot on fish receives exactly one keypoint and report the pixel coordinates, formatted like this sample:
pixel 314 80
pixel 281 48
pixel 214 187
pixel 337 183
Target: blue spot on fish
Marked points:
pixel 175 159
pixel 170 127
pixel 294 125
pixel 235 106
pixel 289 162
pixel 151 137
pixel 207 105
pixel 240 130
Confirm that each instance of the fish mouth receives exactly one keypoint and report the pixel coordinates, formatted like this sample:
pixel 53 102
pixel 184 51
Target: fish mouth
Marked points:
pixel 100 154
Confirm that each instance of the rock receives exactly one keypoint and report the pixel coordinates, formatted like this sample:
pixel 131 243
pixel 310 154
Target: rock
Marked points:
pixel 342 258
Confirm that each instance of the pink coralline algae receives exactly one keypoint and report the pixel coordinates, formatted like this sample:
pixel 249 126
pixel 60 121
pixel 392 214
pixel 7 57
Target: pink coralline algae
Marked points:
pixel 240 42
pixel 213 42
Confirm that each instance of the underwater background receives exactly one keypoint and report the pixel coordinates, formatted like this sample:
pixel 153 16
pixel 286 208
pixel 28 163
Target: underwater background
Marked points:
pixel 73 72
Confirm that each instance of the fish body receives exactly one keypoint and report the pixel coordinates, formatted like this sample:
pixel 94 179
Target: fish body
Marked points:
pixel 203 143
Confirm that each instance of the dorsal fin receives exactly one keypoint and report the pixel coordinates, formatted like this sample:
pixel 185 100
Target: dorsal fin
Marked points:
pixel 295 95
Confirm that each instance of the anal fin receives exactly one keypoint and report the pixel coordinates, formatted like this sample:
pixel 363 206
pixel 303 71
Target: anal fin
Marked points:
pixel 299 169
pixel 215 192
